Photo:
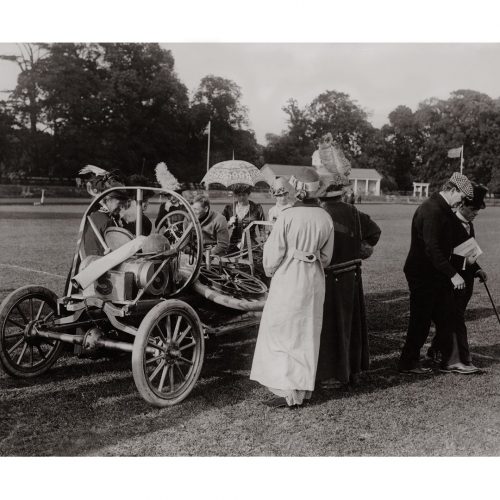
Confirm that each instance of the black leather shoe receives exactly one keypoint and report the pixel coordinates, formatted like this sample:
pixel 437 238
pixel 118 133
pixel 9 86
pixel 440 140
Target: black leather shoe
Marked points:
pixel 418 370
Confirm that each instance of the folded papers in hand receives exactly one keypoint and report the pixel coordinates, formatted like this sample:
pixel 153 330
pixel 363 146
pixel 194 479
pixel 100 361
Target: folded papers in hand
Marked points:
pixel 469 248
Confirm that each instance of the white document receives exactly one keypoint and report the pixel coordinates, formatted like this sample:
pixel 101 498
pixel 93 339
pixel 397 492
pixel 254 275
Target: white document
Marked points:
pixel 468 248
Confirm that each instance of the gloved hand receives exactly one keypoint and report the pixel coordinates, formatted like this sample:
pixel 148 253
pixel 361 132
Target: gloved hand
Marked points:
pixel 483 277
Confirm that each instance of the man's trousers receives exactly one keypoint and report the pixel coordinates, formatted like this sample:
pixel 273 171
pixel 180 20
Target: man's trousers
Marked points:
pixel 429 301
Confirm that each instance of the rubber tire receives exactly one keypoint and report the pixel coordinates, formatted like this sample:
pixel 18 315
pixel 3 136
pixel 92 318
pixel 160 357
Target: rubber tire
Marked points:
pixel 140 343
pixel 36 292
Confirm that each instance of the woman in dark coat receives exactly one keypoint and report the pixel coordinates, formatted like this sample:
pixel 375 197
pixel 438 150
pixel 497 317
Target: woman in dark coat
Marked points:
pixel 240 214
pixel 344 338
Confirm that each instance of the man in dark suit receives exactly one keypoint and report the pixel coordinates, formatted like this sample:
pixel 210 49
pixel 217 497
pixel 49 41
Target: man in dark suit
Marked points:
pixel 430 275
pixel 460 360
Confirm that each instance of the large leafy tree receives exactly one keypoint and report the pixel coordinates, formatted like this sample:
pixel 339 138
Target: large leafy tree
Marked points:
pixel 417 143
pixel 295 145
pixel 6 137
pixel 403 142
pixel 337 113
pixel 333 112
pixel 69 81
pixel 24 102
pixel 147 109
pixel 120 106
pixel 467 118
pixel 218 101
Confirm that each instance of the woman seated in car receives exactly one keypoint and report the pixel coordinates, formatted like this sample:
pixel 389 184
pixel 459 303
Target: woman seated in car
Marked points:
pixel 240 214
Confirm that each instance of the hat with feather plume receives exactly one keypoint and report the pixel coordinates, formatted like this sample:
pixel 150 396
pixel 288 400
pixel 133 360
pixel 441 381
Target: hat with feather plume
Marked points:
pixel 166 179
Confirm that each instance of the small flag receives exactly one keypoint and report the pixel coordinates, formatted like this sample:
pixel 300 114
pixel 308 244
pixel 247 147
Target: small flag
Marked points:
pixel 455 152
pixel 207 129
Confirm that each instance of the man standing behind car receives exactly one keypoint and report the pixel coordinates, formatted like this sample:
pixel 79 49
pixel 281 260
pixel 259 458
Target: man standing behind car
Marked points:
pixel 430 275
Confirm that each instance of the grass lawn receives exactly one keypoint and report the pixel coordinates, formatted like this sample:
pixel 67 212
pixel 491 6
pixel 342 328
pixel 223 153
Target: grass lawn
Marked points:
pixel 85 407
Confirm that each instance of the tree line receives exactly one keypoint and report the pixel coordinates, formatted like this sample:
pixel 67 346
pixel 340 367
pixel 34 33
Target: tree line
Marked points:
pixel 122 106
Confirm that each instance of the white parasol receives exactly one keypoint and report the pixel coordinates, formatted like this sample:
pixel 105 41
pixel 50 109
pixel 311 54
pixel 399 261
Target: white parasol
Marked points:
pixel 232 172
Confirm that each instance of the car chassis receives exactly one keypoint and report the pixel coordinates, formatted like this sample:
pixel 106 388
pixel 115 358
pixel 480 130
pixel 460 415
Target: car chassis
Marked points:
pixel 140 305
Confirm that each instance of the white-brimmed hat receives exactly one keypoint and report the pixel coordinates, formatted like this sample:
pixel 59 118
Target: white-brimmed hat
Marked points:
pixel 307 184
pixel 280 186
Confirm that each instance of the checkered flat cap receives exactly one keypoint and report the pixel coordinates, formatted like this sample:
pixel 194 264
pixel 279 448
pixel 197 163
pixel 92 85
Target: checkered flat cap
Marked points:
pixel 463 184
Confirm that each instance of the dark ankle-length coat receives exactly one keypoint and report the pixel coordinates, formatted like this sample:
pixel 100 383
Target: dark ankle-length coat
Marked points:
pixel 344 337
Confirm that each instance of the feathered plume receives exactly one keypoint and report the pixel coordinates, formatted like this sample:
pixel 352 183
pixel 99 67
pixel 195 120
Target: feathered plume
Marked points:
pixel 331 163
pixel 165 177
pixel 91 169
pixel 332 157
pixel 100 179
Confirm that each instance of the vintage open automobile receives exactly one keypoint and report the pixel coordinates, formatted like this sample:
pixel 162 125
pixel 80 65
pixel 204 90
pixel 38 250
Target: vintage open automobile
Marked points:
pixel 158 297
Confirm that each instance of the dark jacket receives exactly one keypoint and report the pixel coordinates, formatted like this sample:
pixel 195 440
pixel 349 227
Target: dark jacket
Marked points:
pixel 432 243
pixel 255 213
pixel 91 245
pixel 215 233
pixel 351 227
pixel 344 350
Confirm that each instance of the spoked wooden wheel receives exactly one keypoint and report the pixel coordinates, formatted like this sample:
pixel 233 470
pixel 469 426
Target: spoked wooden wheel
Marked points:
pixel 22 353
pixel 232 282
pixel 168 353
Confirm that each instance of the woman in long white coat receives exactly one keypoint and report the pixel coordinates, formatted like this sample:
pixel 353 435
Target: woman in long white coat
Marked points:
pixel 299 246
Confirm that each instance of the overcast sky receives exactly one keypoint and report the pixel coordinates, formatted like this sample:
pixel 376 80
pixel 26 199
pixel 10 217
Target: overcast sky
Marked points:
pixel 378 76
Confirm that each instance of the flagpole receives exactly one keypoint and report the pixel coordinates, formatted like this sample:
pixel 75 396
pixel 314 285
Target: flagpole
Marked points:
pixel 208 147
pixel 462 160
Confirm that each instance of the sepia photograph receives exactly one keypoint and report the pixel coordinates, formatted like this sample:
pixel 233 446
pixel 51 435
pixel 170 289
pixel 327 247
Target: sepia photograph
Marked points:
pixel 220 248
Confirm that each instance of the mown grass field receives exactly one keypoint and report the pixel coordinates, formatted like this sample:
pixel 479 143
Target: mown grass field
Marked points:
pixel 91 407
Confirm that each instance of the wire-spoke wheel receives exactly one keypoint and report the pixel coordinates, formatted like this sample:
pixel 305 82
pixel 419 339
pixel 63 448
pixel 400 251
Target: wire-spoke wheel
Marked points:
pixel 173 224
pixel 22 353
pixel 232 282
pixel 168 353
pixel 183 231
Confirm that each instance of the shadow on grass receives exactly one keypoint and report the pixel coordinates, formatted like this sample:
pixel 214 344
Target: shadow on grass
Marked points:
pixel 474 314
pixel 387 311
pixel 97 406
pixel 82 415
pixel 485 355
pixel 70 368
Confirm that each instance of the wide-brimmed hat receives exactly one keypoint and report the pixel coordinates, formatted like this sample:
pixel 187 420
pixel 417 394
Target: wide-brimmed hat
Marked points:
pixel 241 188
pixel 307 184
pixel 280 187
pixel 333 185
pixel 100 180
pixel 477 201
pixel 463 184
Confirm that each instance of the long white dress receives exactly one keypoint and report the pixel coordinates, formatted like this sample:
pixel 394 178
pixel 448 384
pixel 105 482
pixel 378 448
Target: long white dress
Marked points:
pixel 299 246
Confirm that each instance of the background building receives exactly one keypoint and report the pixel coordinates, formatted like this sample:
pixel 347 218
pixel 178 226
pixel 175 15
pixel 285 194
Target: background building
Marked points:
pixel 363 180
